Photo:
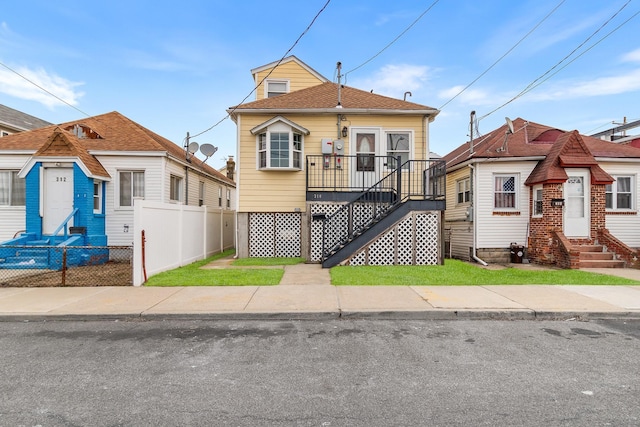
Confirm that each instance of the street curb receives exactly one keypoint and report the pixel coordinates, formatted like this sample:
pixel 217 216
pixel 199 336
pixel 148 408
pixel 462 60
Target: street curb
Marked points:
pixel 430 315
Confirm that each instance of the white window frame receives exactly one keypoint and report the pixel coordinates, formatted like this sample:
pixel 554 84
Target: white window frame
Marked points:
pixel 219 197
pixel 201 193
pixel 97 196
pixel 267 84
pixel 132 190
pixel 516 192
pixel 264 148
pixel 466 191
pixel 389 153
pixel 537 201
pixel 13 175
pixel 228 198
pixel 613 187
pixel 4 133
pixel 175 188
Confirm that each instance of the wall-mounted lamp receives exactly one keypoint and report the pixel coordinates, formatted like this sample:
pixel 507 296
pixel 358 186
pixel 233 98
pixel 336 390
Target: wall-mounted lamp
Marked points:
pixel 345 132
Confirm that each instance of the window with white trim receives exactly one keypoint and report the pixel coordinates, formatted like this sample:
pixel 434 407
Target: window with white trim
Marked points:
pixel 505 191
pixel 175 188
pixel 619 194
pixel 200 193
pixel 4 133
pixel 228 198
pixel 130 186
pixel 12 189
pixel 275 87
pixel 219 197
pixel 280 147
pixel 398 144
pixel 463 190
pixel 537 201
pixel 97 196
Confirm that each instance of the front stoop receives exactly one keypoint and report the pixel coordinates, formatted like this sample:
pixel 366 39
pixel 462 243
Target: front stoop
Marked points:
pixel 594 256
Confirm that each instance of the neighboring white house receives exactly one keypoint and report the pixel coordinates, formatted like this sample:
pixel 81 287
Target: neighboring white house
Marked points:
pixel 94 169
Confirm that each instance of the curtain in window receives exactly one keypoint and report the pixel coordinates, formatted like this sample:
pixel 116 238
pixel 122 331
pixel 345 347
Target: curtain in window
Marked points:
pixel 138 184
pixel 17 190
pixel 5 189
pixel 125 189
pixel 624 193
pixel 505 192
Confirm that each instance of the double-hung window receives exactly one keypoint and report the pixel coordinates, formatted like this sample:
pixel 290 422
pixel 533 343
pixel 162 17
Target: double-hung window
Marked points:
pixel 175 188
pixel 12 189
pixel 276 87
pixel 398 145
pixel 131 186
pixel 619 194
pixel 463 190
pixel 97 196
pixel 279 146
pixel 537 201
pixel 505 191
pixel 200 193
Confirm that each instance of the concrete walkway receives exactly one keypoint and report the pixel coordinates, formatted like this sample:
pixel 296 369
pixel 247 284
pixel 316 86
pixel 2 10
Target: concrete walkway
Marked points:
pixel 305 292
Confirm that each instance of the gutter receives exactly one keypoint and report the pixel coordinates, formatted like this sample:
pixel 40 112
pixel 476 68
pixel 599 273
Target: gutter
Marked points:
pixel 333 110
pixel 473 211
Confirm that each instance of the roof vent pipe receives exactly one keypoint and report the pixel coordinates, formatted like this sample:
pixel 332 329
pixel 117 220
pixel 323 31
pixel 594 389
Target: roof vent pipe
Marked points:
pixel 339 65
pixel 472 118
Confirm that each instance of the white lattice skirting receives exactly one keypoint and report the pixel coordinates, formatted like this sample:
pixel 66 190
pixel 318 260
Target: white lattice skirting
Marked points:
pixel 274 234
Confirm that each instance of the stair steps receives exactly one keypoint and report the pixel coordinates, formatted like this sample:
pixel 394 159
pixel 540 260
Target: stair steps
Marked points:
pixel 594 256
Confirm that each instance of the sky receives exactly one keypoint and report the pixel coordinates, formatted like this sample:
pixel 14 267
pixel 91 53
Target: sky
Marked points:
pixel 176 67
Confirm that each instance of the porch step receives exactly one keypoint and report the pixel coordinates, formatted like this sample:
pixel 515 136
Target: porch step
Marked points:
pixel 594 256
pixel 602 264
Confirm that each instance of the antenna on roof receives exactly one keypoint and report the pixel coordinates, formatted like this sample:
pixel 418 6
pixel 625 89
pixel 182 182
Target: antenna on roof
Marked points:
pixel 339 65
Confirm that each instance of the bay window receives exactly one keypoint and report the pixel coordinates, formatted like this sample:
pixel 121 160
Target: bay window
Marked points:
pixel 279 144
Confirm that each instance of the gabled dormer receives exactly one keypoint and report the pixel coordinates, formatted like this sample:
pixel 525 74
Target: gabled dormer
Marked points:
pixel 284 76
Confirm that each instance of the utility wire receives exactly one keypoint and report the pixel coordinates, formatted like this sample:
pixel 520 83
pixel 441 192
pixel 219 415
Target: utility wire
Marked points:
pixel 43 89
pixel 505 54
pixel 268 74
pixel 394 40
pixel 538 81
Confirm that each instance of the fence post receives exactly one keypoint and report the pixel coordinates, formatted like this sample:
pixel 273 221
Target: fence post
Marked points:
pixel 64 265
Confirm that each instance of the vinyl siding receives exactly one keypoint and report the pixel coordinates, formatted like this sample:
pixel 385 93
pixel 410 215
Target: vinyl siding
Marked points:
pixel 455 211
pixel 298 77
pixel 499 231
pixel 12 218
pixel 625 227
pixel 284 191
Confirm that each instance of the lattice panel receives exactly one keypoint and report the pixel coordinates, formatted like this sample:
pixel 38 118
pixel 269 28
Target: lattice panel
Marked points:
pixel 261 230
pixel 359 259
pixel 405 241
pixel 427 239
pixel 287 234
pixel 382 250
pixel 316 228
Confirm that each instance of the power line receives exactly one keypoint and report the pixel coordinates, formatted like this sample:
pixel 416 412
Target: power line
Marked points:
pixel 503 56
pixel 537 82
pixel 269 73
pixel 43 89
pixel 394 40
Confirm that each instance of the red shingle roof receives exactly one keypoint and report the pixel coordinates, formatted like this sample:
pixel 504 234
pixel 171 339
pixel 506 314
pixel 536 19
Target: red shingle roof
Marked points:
pixel 325 96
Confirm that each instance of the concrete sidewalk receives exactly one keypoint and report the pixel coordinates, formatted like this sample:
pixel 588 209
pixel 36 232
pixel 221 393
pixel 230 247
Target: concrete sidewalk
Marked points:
pixel 305 292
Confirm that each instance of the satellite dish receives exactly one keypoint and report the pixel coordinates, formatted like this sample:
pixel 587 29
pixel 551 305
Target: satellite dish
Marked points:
pixel 509 124
pixel 208 149
pixel 193 148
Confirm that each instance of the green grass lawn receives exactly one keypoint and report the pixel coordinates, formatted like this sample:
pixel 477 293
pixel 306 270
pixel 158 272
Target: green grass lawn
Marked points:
pixel 458 273
pixel 265 272
pixel 193 275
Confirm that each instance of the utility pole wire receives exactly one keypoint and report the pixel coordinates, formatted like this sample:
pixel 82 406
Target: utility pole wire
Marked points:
pixel 537 82
pixel 505 54
pixel 268 74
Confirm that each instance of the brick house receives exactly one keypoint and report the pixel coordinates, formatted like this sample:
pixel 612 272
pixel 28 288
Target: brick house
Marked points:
pixel 559 197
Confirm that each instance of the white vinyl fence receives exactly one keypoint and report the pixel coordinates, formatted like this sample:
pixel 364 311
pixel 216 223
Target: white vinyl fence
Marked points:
pixel 177 235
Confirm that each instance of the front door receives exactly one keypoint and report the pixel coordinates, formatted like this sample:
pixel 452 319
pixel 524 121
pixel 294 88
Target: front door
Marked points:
pixel 364 167
pixel 577 214
pixel 57 198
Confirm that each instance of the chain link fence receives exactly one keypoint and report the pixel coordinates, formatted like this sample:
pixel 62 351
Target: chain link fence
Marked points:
pixel 54 266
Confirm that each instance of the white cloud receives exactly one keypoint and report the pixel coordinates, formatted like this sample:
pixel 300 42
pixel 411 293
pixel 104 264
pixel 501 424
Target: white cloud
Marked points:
pixel 633 56
pixel 395 80
pixel 469 96
pixel 25 87
pixel 613 85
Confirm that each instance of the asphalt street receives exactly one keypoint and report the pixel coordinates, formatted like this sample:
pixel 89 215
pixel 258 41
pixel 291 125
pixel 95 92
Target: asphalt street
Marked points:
pixel 329 373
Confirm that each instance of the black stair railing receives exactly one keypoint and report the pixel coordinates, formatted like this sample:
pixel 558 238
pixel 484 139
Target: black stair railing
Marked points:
pixel 413 179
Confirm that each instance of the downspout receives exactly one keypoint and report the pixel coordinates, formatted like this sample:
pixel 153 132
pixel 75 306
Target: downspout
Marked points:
pixel 474 215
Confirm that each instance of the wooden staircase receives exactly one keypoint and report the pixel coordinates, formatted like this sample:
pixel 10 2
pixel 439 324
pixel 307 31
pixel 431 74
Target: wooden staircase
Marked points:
pixel 595 256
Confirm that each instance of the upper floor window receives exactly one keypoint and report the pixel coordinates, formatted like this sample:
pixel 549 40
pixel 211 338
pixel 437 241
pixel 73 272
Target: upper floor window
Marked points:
pixel 280 145
pixel 505 191
pixel 619 194
pixel 463 190
pixel 131 186
pixel 12 189
pixel 4 133
pixel 175 188
pixel 276 87
pixel 537 200
pixel 228 198
pixel 398 145
pixel 220 197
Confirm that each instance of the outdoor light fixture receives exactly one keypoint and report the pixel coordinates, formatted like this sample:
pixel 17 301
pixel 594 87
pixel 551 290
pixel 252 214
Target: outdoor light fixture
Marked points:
pixel 345 131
